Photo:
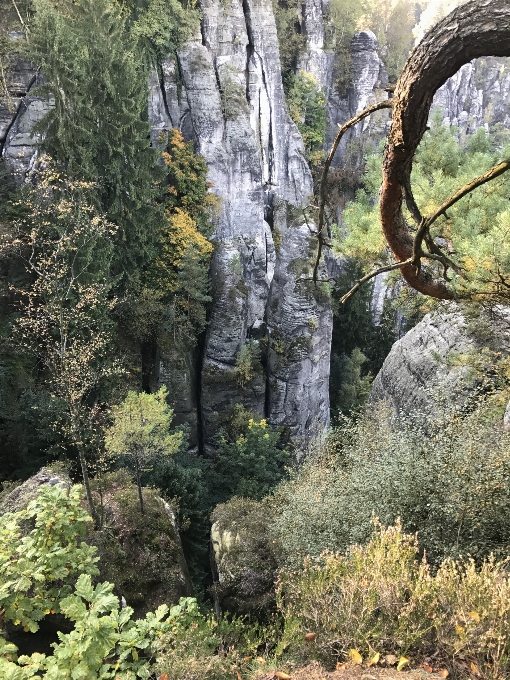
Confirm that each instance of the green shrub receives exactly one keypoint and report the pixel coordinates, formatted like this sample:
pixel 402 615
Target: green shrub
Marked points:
pixel 447 479
pixel 307 108
pixel 38 570
pixel 251 465
pixel 245 556
pixel 200 648
pixel 248 362
pixel 49 571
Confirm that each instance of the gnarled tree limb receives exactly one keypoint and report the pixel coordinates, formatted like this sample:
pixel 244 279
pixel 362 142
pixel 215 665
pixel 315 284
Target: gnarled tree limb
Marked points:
pixel 371 275
pixel 385 104
pixel 478 28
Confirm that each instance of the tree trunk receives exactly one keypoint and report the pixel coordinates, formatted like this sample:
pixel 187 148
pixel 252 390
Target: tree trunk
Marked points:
pixel 86 484
pixel 139 485
pixel 478 28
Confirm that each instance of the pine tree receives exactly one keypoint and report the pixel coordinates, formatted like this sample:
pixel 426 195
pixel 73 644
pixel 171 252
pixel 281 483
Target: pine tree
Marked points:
pixel 98 130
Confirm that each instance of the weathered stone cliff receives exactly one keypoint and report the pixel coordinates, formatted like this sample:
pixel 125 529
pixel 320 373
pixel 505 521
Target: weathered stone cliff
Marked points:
pixel 231 103
pixel 443 359
pixel 224 91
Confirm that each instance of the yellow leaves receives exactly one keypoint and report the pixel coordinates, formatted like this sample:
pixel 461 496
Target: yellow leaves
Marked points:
pixel 375 659
pixel 474 616
pixel 281 675
pixel 402 662
pixel 443 673
pixel 181 234
pixel 474 668
pixel 355 656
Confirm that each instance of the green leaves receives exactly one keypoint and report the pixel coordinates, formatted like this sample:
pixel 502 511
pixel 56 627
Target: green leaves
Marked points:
pixel 36 576
pixel 474 232
pixel 37 570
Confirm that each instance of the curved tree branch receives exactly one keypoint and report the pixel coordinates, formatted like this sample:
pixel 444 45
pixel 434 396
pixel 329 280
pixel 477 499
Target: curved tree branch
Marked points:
pixel 371 275
pixel 477 28
pixel 385 104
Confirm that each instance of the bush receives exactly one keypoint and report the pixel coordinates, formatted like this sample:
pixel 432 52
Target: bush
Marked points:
pixel 380 598
pixel 199 648
pixel 245 556
pixel 49 571
pixel 448 480
pixel 250 466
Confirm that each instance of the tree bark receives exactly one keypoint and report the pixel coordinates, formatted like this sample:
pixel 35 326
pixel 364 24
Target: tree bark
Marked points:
pixel 478 28
pixel 139 484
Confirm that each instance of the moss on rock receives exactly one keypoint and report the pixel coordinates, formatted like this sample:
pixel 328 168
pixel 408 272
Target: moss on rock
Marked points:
pixel 244 555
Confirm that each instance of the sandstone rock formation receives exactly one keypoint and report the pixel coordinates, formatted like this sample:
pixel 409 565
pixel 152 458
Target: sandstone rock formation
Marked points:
pixel 477 96
pixel 232 105
pixel 224 91
pixel 245 563
pixel 442 360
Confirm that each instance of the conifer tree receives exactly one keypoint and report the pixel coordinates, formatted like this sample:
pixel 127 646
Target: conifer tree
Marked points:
pixel 98 129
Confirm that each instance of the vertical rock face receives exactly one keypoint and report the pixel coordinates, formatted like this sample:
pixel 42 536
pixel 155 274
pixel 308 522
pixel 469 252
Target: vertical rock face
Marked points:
pixel 369 79
pixel 228 97
pixel 478 95
pixel 19 112
pixel 315 60
pixel 435 363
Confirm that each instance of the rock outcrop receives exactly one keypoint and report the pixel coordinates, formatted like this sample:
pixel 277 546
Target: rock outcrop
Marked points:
pixel 477 96
pixel 19 112
pixel 245 561
pixel 141 554
pixel 368 83
pixel 443 359
pixel 231 103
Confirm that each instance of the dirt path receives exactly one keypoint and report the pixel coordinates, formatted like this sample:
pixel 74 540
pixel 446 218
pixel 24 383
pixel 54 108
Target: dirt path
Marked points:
pixel 351 672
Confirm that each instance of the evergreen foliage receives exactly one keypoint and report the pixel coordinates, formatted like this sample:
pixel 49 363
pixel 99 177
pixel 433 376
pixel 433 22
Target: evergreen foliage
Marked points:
pixel 65 247
pixel 251 465
pixel 98 129
pixel 476 226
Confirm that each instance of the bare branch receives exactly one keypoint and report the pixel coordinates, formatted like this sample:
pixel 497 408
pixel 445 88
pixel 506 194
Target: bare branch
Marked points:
pixel 372 274
pixel 386 104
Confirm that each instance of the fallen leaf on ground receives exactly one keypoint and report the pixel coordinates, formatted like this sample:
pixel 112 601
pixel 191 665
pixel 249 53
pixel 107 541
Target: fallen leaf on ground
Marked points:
pixel 375 659
pixel 402 662
pixel 281 676
pixel 356 656
pixel 310 637
pixel 238 675
pixel 443 673
pixel 427 668
pixel 474 668
pixel 163 676
pixel 474 616
pixel 340 666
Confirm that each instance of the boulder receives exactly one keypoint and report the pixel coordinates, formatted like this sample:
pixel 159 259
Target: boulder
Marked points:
pixel 244 557
pixel 141 554
pixel 444 359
